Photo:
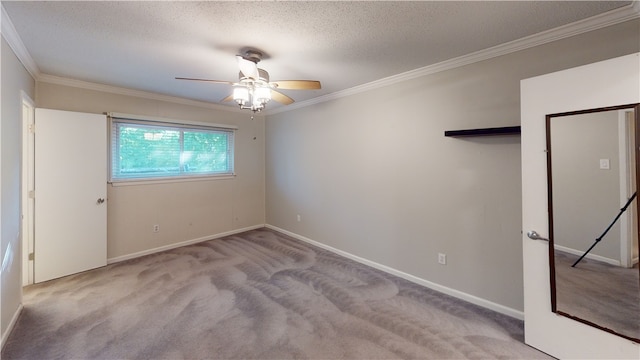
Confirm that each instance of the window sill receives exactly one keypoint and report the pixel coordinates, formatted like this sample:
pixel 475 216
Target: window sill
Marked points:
pixel 133 182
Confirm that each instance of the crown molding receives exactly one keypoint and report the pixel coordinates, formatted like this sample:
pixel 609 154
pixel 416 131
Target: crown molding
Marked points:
pixel 57 80
pixel 613 17
pixel 616 16
pixel 10 34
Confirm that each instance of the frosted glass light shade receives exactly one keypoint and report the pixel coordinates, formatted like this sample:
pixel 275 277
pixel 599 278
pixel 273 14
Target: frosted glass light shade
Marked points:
pixel 262 95
pixel 241 95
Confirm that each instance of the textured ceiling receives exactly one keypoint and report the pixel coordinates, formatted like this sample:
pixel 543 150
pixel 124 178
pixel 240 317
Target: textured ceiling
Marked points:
pixel 144 45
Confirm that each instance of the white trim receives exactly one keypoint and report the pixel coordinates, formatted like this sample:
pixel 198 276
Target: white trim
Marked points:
pixel 626 139
pixel 590 256
pixel 10 34
pixel 180 244
pixel 12 324
pixel 27 182
pixel 151 181
pixel 431 285
pixel 169 121
pixel 623 165
pixel 616 16
pixel 609 18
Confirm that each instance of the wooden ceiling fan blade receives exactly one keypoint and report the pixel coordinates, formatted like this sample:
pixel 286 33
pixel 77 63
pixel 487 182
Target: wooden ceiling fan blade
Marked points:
pixel 281 98
pixel 228 98
pixel 297 84
pixel 206 80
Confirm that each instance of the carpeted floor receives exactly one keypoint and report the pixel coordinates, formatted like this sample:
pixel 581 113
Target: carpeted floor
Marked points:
pixel 256 295
pixel 601 293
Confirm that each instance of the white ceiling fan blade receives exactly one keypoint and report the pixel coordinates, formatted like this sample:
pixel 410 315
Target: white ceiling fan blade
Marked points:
pixel 247 68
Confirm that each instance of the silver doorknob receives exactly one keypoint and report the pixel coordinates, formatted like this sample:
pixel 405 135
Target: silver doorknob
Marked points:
pixel 535 236
pixel 100 201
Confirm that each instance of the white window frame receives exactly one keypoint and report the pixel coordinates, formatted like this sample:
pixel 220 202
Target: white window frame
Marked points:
pixel 115 118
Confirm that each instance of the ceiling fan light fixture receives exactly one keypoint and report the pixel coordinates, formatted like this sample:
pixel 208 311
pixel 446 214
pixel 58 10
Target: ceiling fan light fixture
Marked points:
pixel 262 95
pixel 241 95
pixel 254 89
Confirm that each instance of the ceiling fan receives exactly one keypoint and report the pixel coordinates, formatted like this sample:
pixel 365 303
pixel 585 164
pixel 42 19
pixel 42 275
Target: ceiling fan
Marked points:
pixel 253 90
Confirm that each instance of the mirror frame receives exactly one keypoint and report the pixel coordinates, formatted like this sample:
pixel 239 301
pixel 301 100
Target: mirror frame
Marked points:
pixel 636 118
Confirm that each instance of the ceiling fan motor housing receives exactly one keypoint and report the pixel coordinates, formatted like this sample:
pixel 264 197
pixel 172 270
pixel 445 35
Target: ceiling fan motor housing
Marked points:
pixel 253 55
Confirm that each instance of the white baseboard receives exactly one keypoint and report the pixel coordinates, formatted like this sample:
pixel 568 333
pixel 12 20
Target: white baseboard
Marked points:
pixel 13 322
pixel 180 244
pixel 443 289
pixel 589 256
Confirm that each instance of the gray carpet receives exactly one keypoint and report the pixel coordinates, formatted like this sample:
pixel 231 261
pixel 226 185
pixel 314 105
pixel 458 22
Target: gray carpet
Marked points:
pixel 256 295
pixel 604 294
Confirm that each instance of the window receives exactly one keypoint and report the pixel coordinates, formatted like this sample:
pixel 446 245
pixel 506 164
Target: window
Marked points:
pixel 144 150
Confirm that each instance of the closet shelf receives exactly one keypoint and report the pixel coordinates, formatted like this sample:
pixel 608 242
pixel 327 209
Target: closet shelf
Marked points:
pixel 505 130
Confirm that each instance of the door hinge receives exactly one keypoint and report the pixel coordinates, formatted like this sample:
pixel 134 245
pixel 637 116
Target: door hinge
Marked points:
pixel 32 128
pixel 32 256
pixel 32 194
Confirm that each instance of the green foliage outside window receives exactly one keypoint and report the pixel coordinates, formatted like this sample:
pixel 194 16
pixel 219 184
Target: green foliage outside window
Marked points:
pixel 205 152
pixel 143 151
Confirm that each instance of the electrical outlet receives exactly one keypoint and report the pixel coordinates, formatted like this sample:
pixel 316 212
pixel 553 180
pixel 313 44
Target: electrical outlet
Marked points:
pixel 299 218
pixel 442 258
pixel 156 228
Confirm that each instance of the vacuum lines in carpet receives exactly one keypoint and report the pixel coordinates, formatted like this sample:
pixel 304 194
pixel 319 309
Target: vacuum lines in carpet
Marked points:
pixel 255 295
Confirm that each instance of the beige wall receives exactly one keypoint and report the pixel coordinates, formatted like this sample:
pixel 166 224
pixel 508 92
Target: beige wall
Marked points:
pixel 372 174
pixel 185 211
pixel 586 198
pixel 15 79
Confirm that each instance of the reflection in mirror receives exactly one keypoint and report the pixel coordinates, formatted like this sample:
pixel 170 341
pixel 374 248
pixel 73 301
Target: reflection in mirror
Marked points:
pixel 593 249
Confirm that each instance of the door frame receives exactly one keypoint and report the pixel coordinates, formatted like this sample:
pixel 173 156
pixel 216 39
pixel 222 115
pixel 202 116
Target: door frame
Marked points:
pixel 27 187
pixel 628 223
pixel 599 85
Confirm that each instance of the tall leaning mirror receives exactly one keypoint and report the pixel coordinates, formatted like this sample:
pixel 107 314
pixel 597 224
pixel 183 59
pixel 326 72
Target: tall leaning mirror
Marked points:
pixel 593 217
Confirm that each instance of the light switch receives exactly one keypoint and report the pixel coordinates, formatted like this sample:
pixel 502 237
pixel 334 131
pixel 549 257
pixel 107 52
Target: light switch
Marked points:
pixel 604 164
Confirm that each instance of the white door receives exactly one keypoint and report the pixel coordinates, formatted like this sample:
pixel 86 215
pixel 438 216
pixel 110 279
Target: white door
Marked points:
pixel 603 84
pixel 70 193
